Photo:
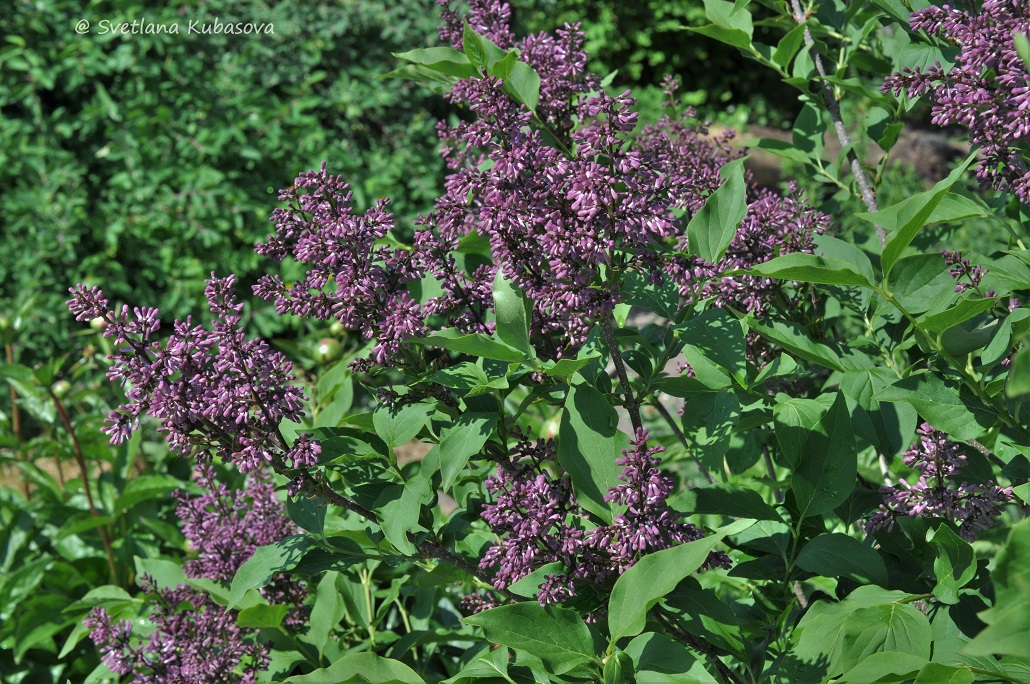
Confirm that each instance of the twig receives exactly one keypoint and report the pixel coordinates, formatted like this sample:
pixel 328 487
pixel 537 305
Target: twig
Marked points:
pixel 631 403
pixel 81 458
pixel 991 456
pixel 728 675
pixel 657 403
pixel 866 190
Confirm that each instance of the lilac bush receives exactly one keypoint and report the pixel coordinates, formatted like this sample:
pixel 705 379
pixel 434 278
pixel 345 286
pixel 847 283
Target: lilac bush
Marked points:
pixel 497 333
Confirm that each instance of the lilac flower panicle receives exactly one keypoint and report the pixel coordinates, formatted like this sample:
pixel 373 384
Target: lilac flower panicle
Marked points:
pixel 939 492
pixel 195 641
pixel 988 89
pixel 213 391
pixel 539 521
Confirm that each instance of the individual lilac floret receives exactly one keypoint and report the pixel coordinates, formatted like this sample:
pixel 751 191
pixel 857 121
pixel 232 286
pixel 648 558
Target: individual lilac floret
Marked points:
pixel 213 391
pixel 939 493
pixel 988 89
pixel 195 641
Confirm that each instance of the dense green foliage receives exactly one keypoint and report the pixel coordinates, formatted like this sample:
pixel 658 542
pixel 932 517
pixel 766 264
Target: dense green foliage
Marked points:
pixel 145 161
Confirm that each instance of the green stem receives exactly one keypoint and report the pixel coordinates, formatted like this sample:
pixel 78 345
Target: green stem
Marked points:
pixel 630 402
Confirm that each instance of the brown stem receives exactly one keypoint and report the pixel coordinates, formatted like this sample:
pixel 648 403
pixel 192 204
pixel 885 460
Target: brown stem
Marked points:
pixel 630 402
pixel 81 458
pixel 991 456
pixel 865 189
pixel 657 403
pixel 698 644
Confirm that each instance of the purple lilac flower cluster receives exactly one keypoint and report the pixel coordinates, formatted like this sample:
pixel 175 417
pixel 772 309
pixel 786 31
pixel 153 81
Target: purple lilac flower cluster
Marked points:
pixel 938 493
pixel 539 521
pixel 960 268
pixel 569 196
pixel 214 391
pixel 196 641
pixel 225 526
pixel 988 89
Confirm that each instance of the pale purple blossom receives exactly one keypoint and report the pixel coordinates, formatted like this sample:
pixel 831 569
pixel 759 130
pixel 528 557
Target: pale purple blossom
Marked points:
pixel 939 491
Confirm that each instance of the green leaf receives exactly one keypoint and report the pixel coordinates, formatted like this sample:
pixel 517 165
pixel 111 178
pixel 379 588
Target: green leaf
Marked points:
pixel 708 422
pixel 145 488
pixel 825 477
pixel 618 669
pixel 793 421
pixel 165 573
pixel 513 312
pixel 529 585
pixel 1022 44
pixel 731 24
pixel 809 268
pixel 961 312
pixel 398 509
pixel 719 337
pixel 473 344
pixel 658 659
pixel 262 616
pixel 558 636
pixel 947 407
pixel 895 627
pixel 523 85
pixel 1018 382
pixel 326 613
pixel 473 44
pixel 788 46
pixel 464 439
pixel 661 299
pixel 1008 630
pixel 309 514
pixel 921 282
pixel 907 217
pixel 463 376
pixel 724 499
pixel 954 566
pixel 809 133
pixel 564 369
pixel 266 562
pixel 443 60
pixel 651 578
pixel 711 230
pixel 884 666
pixel 841 250
pixel 398 426
pixel 589 441
pixel 797 341
pixel 935 673
pixel 361 668
pixel 838 555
